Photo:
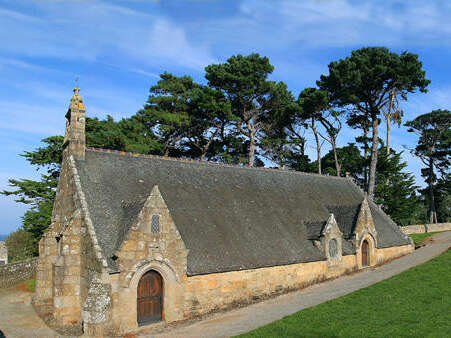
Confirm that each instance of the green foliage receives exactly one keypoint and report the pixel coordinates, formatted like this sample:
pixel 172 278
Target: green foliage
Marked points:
pixel 242 117
pixel 352 162
pixel 442 198
pixel 366 78
pixel 434 150
pixel 166 112
pixel 434 143
pixel 48 157
pixel 209 116
pixel 127 135
pixel 21 245
pixel 442 191
pixel 414 303
pixel 255 101
pixel 280 140
pixel 39 194
pixel 396 190
pixel 364 82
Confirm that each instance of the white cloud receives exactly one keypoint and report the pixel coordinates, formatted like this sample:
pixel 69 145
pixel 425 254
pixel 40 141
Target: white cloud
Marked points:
pixel 347 23
pixel 14 15
pixel 435 98
pixel 17 63
pixel 167 41
pixel 100 31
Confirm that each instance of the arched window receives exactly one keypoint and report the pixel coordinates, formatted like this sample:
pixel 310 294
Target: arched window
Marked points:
pixel 155 224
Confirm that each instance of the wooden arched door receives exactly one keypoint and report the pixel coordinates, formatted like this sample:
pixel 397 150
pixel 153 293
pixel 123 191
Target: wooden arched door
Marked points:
pixel 365 253
pixel 150 298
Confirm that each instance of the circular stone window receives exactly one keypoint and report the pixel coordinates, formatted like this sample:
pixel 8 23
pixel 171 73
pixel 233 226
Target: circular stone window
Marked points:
pixel 333 248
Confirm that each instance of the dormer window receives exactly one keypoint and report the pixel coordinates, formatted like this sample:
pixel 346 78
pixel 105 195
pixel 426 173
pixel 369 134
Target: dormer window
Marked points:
pixel 155 224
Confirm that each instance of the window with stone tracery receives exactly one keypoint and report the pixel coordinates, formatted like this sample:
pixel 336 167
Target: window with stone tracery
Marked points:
pixel 155 224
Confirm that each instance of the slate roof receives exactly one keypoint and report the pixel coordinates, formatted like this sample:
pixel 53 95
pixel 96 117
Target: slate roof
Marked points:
pixel 229 217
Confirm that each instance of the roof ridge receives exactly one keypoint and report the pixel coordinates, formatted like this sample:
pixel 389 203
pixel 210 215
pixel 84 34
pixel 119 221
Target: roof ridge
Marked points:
pixel 189 160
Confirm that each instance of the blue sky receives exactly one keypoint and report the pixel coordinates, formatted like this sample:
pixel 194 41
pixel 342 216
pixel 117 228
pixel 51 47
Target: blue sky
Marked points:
pixel 118 48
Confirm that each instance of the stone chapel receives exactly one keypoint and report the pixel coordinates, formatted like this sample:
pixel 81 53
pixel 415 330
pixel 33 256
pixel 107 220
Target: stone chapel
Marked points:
pixel 139 239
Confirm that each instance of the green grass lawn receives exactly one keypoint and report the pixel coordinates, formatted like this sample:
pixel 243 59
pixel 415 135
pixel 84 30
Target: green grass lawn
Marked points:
pixel 416 303
pixel 417 238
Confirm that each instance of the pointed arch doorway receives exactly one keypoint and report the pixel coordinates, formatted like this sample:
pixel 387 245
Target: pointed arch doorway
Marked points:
pixel 150 298
pixel 365 253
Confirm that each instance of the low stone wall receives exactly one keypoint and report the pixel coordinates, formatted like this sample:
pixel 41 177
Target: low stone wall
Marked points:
pixel 212 292
pixel 14 273
pixel 422 228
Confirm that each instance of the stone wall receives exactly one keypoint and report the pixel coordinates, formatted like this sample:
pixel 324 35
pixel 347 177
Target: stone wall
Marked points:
pixel 3 253
pixel 14 273
pixel 213 292
pixel 422 228
pixel 388 254
pixel 68 259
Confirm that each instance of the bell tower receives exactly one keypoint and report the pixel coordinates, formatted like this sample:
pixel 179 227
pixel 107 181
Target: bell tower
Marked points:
pixel 75 139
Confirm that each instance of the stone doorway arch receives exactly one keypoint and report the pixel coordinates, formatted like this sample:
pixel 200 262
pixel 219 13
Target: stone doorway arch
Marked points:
pixel 150 298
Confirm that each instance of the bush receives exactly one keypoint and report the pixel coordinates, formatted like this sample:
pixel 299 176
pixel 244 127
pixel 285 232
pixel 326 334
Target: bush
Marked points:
pixel 21 245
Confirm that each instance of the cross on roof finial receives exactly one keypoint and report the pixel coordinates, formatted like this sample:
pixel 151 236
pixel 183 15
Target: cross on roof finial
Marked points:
pixel 76 89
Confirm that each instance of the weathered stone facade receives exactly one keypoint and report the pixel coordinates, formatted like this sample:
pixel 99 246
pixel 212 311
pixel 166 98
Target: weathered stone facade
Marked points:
pixel 78 286
pixel 3 253
pixel 69 257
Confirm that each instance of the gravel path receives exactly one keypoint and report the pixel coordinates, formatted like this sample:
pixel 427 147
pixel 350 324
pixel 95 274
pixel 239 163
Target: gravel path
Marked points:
pixel 245 319
pixel 18 319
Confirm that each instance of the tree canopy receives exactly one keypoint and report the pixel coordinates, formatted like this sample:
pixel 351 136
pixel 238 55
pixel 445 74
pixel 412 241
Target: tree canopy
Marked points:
pixel 240 116
pixel 433 149
pixel 365 81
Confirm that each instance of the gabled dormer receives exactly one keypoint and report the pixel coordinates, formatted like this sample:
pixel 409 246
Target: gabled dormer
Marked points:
pixel 365 236
pixel 365 222
pixel 331 241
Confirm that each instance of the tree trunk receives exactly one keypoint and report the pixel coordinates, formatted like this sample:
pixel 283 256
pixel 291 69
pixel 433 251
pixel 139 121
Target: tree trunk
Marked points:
pixel 432 211
pixel 365 154
pixel 388 118
pixel 337 165
pixel 318 146
pixel 372 178
pixel 251 155
pixel 388 135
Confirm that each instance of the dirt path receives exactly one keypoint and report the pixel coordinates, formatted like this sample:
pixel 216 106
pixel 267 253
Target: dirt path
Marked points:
pixel 18 319
pixel 245 319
